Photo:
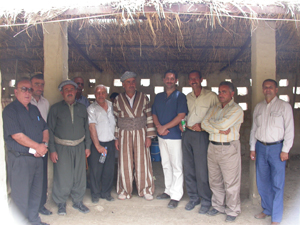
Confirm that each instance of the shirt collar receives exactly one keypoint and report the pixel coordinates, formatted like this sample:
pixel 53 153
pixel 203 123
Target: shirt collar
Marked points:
pixel 227 105
pixel 272 101
pixel 203 92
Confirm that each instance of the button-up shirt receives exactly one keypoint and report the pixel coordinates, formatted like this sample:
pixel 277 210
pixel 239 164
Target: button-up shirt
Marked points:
pixel 198 106
pixel 83 100
pixel 130 100
pixel 273 122
pixel 104 121
pixel 43 106
pixel 218 118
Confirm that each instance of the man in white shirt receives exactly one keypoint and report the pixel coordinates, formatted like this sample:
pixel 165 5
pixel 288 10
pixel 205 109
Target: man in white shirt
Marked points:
pixel 271 139
pixel 37 99
pixel 102 127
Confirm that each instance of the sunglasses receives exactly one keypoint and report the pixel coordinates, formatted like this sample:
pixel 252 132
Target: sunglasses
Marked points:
pixel 24 89
pixel 80 84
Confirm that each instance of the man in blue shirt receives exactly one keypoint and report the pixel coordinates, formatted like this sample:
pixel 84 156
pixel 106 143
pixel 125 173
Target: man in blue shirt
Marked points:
pixel 168 110
pixel 79 97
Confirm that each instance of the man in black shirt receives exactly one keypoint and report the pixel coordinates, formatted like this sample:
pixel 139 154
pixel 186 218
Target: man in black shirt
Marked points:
pixel 26 137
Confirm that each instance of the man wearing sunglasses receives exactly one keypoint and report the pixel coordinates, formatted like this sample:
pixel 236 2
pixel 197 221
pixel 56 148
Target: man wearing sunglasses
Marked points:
pixel 26 135
pixel 37 99
pixel 79 97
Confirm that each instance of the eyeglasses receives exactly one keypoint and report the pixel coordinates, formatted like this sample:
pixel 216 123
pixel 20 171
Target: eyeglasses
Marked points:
pixel 24 89
pixel 80 84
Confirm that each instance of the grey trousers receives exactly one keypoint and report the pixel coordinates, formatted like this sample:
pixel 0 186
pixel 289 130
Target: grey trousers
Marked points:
pixel 194 147
pixel 69 176
pixel 224 168
pixel 45 181
pixel 25 174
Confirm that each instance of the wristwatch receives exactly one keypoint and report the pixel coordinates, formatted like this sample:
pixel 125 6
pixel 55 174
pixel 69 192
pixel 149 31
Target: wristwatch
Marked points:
pixel 45 143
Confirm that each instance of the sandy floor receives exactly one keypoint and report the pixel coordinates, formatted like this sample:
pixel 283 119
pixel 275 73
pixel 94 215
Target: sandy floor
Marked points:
pixel 139 211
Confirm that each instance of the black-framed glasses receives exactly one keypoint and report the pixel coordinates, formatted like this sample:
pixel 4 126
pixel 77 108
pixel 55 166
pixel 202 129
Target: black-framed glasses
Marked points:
pixel 80 84
pixel 24 89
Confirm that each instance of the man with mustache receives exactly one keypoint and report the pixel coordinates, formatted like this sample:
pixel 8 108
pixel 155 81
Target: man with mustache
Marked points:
pixel 195 143
pixel 69 145
pixel 133 134
pixel 25 134
pixel 79 97
pixel 223 122
pixel 37 99
pixel 168 110
pixel 102 127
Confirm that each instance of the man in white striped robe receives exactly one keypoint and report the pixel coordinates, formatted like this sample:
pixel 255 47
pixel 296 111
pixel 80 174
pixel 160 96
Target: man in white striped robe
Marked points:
pixel 133 134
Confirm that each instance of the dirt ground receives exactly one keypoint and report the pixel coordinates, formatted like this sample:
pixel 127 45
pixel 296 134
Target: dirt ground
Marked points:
pixel 139 211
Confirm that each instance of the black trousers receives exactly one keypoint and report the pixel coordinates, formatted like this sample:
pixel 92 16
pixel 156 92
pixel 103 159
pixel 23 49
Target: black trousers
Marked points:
pixel 45 181
pixel 25 174
pixel 102 174
pixel 194 147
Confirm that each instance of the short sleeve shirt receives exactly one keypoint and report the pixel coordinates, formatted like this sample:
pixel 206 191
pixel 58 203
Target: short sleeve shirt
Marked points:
pixel 167 108
pixel 17 119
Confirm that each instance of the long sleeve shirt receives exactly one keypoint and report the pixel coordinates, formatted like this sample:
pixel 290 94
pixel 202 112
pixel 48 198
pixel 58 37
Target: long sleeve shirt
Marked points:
pixel 273 122
pixel 218 118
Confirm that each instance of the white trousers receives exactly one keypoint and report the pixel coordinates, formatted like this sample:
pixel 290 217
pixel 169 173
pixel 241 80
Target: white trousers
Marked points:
pixel 171 161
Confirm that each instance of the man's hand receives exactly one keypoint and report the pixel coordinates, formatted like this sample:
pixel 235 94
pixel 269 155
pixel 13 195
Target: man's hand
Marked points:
pixel 161 130
pixel 284 156
pixel 252 155
pixel 87 153
pixel 225 131
pixel 54 157
pixel 117 144
pixel 180 127
pixel 102 150
pixel 41 149
pixel 148 142
pixel 197 127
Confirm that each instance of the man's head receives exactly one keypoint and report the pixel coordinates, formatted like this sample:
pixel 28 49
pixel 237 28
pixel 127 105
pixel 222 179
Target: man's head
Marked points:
pixel 270 89
pixel 100 94
pixel 68 89
pixel 23 91
pixel 195 79
pixel 80 85
pixel 37 83
pixel 226 92
pixel 128 82
pixel 113 96
pixel 170 79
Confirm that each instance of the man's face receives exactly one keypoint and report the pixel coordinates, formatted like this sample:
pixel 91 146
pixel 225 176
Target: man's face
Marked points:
pixel 129 85
pixel 170 80
pixel 68 92
pixel 225 94
pixel 269 90
pixel 37 86
pixel 101 95
pixel 195 80
pixel 23 92
pixel 80 82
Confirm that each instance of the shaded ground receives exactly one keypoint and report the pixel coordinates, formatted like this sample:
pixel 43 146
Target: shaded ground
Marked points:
pixel 139 211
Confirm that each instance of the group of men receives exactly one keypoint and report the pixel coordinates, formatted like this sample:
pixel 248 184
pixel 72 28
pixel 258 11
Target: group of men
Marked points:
pixel 206 153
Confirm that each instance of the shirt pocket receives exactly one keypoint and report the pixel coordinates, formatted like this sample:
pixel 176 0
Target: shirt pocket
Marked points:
pixel 276 119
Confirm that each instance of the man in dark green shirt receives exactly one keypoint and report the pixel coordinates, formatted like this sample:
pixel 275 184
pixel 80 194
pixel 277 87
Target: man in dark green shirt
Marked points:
pixel 69 144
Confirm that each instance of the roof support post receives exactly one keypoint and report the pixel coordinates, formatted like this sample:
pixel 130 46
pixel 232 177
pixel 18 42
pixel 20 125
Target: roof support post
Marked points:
pixel 263 66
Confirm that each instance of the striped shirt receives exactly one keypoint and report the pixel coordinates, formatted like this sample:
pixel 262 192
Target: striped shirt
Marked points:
pixel 273 122
pixel 221 119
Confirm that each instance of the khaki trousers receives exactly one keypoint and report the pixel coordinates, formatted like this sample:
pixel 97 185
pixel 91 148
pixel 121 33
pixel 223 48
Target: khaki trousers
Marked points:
pixel 224 169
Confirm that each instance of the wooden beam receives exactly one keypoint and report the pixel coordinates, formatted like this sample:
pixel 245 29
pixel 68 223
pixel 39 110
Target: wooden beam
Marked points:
pixel 243 48
pixel 81 52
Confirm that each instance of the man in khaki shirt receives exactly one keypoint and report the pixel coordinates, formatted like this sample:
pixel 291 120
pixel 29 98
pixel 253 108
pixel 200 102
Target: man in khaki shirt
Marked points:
pixel 195 143
pixel 223 122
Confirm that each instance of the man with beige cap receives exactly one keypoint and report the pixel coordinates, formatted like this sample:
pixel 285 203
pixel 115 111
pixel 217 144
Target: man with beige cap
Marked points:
pixel 133 134
pixel 69 144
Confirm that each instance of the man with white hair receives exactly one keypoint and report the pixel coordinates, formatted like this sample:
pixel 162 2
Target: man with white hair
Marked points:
pixel 133 133
pixel 102 126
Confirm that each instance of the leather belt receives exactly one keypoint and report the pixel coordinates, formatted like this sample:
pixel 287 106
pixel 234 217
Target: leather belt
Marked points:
pixel 220 143
pixel 68 142
pixel 270 143
pixel 192 129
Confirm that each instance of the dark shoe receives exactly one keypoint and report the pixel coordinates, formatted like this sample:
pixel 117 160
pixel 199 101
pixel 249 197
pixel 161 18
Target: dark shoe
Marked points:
pixel 163 196
pixel 61 209
pixel 204 209
pixel 213 212
pixel 95 199
pixel 42 223
pixel 108 198
pixel 81 207
pixel 260 216
pixel 230 218
pixel 191 204
pixel 173 204
pixel 45 211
